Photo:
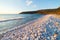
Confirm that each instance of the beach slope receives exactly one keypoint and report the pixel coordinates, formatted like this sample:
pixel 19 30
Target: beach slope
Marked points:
pixel 45 28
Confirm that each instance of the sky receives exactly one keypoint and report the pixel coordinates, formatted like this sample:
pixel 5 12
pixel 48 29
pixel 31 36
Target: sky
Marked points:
pixel 17 6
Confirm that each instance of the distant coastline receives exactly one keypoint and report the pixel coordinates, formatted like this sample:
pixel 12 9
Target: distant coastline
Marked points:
pixel 44 11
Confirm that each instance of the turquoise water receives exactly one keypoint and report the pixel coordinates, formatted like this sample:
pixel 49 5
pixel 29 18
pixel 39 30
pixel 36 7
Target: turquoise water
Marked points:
pixel 14 22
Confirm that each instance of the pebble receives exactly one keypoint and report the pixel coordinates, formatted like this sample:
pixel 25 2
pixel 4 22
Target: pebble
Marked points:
pixel 48 30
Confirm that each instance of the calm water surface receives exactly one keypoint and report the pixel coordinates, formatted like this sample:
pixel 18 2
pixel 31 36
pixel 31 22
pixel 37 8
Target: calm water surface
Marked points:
pixel 10 23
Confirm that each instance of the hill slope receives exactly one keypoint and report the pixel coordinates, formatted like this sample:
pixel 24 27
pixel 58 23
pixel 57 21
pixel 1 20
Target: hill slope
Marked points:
pixel 44 11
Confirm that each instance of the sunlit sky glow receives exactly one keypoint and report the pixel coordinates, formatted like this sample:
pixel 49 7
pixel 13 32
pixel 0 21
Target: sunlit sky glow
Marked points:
pixel 17 6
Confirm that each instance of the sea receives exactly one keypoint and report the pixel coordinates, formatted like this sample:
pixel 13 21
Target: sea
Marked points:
pixel 9 21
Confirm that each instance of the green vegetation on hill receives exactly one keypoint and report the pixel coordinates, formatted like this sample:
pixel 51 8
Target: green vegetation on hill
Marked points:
pixel 45 11
pixel 50 11
pixel 29 12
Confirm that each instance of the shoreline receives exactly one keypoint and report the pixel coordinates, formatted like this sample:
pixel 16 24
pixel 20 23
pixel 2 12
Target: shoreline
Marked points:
pixel 30 22
pixel 19 27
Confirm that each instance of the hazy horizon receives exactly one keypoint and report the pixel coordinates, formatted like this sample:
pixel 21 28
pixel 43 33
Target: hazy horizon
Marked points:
pixel 17 6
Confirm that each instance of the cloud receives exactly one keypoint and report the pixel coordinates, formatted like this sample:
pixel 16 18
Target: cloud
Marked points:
pixel 29 2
